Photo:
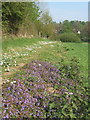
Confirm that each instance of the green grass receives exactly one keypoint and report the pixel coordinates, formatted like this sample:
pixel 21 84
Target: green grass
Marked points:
pixel 80 51
pixel 20 50
pixel 19 42
pixel 53 52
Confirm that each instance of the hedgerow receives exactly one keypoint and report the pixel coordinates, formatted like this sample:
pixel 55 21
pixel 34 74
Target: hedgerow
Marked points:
pixel 68 37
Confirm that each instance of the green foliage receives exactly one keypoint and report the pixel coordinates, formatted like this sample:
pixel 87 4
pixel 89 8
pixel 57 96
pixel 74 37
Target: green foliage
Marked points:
pixel 69 104
pixel 85 33
pixel 69 101
pixel 27 28
pixel 80 51
pixel 47 26
pixel 72 70
pixel 67 27
pixel 54 37
pixel 48 30
pixel 73 104
pixel 72 27
pixel 14 13
pixel 69 37
pixel 65 37
pixel 26 18
pixel 39 27
pixel 46 18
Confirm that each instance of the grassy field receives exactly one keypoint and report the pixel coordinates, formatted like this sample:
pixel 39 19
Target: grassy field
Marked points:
pixel 23 50
pixel 38 70
pixel 19 42
pixel 80 51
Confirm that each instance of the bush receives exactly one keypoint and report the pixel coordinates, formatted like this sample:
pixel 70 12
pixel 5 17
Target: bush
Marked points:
pixel 85 39
pixel 69 37
pixel 53 37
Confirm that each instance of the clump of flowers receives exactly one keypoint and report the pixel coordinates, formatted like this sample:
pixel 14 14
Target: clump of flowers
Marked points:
pixel 42 90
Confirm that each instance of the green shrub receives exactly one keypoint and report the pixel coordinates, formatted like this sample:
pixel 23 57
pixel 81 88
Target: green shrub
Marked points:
pixel 68 37
pixel 54 37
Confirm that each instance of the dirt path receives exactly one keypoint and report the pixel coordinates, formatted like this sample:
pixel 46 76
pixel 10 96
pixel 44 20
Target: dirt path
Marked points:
pixel 14 69
pixel 8 74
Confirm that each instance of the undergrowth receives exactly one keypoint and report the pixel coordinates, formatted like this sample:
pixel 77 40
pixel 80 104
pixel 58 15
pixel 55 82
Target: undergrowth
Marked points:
pixel 43 90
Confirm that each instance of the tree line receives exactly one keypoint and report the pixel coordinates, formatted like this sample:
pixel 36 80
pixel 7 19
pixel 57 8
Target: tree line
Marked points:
pixel 26 19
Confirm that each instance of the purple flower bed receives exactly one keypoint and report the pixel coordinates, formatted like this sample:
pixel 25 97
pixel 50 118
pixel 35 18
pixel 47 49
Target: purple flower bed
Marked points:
pixel 38 91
